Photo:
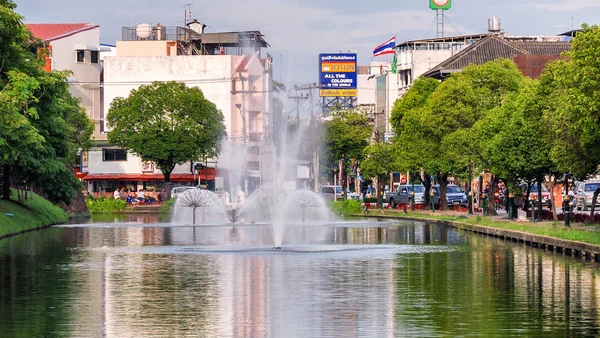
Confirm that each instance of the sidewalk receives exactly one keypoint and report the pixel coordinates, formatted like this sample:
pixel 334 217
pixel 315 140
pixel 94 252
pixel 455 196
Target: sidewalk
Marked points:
pixel 502 216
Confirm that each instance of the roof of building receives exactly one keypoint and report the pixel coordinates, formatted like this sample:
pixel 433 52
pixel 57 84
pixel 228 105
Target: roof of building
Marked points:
pixel 495 47
pixel 445 39
pixel 55 31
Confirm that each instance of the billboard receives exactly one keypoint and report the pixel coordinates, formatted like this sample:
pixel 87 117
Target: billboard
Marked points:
pixel 337 75
pixel 440 4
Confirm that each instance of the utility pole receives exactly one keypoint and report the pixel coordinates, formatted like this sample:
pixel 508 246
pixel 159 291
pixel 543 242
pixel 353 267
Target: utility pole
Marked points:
pixel 187 11
pixel 300 99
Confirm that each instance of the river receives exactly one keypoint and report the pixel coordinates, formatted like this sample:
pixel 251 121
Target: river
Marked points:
pixel 140 277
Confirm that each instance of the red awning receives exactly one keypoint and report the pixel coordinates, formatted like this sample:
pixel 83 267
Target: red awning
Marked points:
pixel 148 177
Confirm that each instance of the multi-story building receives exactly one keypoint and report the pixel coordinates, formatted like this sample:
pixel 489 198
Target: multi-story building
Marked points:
pixel 377 92
pixel 76 47
pixel 227 67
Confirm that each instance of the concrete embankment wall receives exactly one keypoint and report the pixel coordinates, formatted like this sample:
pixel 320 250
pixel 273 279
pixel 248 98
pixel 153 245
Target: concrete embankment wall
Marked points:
pixel 566 247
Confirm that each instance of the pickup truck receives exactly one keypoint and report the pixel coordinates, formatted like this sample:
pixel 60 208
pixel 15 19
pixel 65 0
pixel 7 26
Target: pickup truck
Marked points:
pixel 403 195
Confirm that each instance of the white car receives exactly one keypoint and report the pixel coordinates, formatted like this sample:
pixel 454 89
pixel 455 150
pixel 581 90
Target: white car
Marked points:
pixel 178 190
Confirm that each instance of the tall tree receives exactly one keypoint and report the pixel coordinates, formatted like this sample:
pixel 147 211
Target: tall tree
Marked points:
pixel 515 141
pixel 379 162
pixel 569 96
pixel 42 124
pixel 167 123
pixel 456 106
pixel 346 136
pixel 415 150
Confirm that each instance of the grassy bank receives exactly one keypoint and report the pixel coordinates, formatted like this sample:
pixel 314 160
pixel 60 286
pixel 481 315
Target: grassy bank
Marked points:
pixel 580 233
pixel 34 213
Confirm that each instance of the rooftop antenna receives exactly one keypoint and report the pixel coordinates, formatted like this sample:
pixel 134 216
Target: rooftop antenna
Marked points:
pixel 572 21
pixel 188 10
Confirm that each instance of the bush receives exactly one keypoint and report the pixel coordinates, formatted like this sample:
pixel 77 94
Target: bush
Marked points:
pixel 346 207
pixel 371 200
pixel 105 206
pixel 167 206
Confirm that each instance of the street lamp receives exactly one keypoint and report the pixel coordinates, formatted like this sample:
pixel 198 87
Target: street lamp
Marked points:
pixel 335 169
pixel 243 115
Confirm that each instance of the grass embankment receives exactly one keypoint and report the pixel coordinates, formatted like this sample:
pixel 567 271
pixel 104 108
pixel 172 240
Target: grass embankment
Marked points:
pixel 578 232
pixel 36 212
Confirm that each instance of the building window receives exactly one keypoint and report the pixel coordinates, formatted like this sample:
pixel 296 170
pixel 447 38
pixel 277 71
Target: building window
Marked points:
pixel 80 55
pixel 94 56
pixel 109 155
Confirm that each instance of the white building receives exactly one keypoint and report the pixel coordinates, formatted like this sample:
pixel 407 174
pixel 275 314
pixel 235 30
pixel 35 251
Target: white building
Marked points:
pixel 377 92
pixel 414 58
pixel 76 47
pixel 229 71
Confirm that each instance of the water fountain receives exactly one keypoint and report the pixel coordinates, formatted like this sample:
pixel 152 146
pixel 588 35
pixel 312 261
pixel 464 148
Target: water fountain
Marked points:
pixel 270 204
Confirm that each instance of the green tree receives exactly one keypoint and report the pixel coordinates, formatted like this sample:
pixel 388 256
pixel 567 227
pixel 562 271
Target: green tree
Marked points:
pixel 516 142
pixel 167 123
pixel 379 162
pixel 456 106
pixel 42 123
pixel 415 150
pixel 346 136
pixel 569 96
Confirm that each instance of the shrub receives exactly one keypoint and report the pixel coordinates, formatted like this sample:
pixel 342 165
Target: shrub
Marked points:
pixel 105 206
pixel 346 207
pixel 370 200
pixel 167 206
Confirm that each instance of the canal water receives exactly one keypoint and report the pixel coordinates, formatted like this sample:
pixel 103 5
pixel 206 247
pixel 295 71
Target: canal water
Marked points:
pixel 140 277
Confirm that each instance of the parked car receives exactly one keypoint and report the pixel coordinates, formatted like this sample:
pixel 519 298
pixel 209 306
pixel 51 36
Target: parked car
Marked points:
pixel 327 191
pixel 455 195
pixel 585 193
pixel 179 190
pixel 354 196
pixel 533 195
pixel 403 195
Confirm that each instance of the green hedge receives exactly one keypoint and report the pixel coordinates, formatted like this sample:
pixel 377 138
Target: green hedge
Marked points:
pixel 167 206
pixel 346 207
pixel 105 206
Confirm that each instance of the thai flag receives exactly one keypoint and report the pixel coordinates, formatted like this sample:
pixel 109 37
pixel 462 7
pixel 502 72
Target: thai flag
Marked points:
pixel 385 48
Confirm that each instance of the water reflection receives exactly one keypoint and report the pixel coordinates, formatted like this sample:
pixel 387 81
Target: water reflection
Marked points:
pixel 374 281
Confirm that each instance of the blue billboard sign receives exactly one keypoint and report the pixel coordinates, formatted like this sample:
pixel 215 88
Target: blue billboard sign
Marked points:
pixel 338 75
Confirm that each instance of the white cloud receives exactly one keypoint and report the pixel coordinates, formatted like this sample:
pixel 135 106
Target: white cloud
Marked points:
pixel 568 5
pixel 292 27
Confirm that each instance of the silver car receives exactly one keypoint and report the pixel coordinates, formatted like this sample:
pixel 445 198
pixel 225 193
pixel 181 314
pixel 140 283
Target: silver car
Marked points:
pixel 585 193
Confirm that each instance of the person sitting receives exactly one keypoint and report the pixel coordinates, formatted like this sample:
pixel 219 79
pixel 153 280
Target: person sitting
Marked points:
pixel 140 195
pixel 130 200
pixel 117 194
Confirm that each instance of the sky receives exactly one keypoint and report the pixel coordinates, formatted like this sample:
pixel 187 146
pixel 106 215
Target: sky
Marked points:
pixel 299 30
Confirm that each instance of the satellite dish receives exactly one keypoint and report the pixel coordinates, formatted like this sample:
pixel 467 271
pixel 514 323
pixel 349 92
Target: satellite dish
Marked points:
pixel 143 31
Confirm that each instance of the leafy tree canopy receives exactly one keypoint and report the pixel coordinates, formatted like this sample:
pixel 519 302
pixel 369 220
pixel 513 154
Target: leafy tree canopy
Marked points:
pixel 167 123
pixel 42 125
pixel 569 97
pixel 346 135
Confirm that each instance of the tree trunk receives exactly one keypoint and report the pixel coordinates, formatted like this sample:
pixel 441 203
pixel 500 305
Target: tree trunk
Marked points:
pixel 526 198
pixel 491 207
pixel 443 179
pixel 552 199
pixel 427 184
pixel 381 187
pixel 6 184
pixel 539 200
pixel 596 192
